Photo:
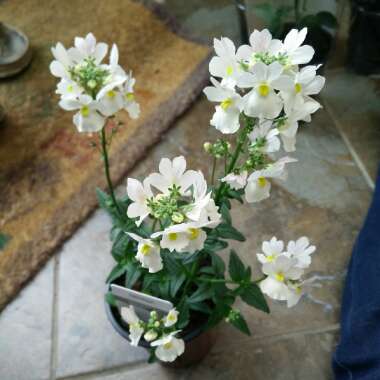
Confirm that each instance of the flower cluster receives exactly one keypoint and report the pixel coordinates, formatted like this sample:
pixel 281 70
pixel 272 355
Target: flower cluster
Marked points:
pixel 159 332
pixel 284 269
pixel 94 89
pixel 263 81
pixel 178 199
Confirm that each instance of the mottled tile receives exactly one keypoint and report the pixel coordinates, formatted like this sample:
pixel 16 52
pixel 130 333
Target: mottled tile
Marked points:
pixel 354 102
pixel 25 331
pixel 295 357
pixel 86 339
pixel 148 371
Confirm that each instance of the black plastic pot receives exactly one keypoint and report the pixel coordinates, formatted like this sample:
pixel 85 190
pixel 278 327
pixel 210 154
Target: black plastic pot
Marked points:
pixel 364 39
pixel 198 342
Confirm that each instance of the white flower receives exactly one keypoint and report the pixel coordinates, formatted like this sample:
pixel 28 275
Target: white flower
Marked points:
pixel 172 318
pixel 236 181
pixel 68 89
pixel 129 102
pixel 279 272
pixel 184 237
pixel 203 210
pixel 88 48
pixel 258 187
pixel 265 137
pixel 298 288
pixel 301 251
pixel 116 76
pixel 139 193
pixel 227 113
pixel 261 42
pixel 148 253
pixel 173 173
pixel 224 65
pixel 169 347
pixel 296 53
pixel 262 101
pixel 135 329
pixel 110 103
pixel 295 89
pixel 88 118
pixel 289 126
pixel 62 63
pixel 271 250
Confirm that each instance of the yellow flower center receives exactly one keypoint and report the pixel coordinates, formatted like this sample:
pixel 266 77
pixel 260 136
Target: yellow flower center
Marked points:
pixel 145 249
pixel 226 104
pixel 130 96
pixel 173 236
pixel 263 89
pixel 229 70
pixel 85 111
pixel 171 317
pixel 297 88
pixel 280 277
pixel 270 258
pixel 168 345
pixel 261 181
pixel 111 94
pixel 70 88
pixel 298 289
pixel 194 233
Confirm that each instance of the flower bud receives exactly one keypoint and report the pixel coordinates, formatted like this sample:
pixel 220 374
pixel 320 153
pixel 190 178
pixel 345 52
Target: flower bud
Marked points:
pixel 91 84
pixel 157 324
pixel 177 217
pixel 150 335
pixel 207 146
pixel 153 314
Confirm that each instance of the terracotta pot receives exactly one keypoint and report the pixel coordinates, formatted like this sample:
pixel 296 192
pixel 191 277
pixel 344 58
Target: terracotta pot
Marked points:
pixel 197 341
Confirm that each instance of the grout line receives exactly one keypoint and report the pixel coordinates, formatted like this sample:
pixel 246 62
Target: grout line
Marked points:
pixel 54 328
pixel 108 371
pixel 359 163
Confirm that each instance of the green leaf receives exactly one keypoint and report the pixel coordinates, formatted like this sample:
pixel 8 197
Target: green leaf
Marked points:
pixel 239 322
pixel 3 240
pixel 152 355
pixel 213 245
pixel 183 317
pixel 133 274
pixel 225 213
pixel 207 270
pixel 171 264
pixel 218 264
pixel 236 194
pixel 220 311
pixel 111 299
pixel 164 286
pixel 202 293
pixel 176 283
pixel 201 307
pixel 116 272
pixel 226 231
pixel 253 296
pixel 236 267
pixel 327 19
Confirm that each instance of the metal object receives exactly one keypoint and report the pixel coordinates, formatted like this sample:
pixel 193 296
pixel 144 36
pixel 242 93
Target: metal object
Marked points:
pixel 142 303
pixel 241 9
pixel 15 52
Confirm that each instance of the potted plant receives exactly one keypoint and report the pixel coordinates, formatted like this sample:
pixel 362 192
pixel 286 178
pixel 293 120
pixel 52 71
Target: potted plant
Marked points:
pixel 170 232
pixel 282 18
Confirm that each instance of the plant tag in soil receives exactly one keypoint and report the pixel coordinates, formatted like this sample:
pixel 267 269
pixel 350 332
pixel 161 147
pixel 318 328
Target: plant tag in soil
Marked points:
pixel 143 303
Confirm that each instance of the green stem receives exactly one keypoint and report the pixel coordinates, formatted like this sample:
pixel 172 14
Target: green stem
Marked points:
pixel 213 171
pixel 241 141
pixel 107 170
pixel 188 281
pixel 216 280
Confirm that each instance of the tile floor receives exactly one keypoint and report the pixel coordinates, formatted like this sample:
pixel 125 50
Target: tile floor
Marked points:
pixel 57 329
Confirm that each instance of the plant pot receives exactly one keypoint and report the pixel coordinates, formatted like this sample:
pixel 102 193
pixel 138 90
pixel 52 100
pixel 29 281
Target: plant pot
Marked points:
pixel 320 39
pixel 198 342
pixel 364 40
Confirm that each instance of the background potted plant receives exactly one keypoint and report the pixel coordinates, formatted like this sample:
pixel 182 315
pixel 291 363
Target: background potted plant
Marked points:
pixel 282 18
pixel 170 232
